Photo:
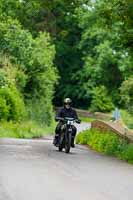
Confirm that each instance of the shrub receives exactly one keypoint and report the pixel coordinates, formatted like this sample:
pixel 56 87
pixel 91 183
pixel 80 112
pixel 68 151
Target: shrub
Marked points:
pixel 127 93
pixel 127 153
pixel 4 109
pixel 107 142
pixel 2 77
pixel 101 100
pixel 12 107
pixel 33 58
pixel 111 143
pixel 127 118
pixel 41 111
pixel 82 138
pixel 11 101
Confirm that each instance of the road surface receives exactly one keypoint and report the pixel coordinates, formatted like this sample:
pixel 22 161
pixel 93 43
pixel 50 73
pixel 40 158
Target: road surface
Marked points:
pixel 35 170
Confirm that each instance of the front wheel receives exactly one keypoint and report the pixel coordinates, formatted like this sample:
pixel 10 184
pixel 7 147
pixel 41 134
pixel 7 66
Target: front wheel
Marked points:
pixel 68 143
pixel 61 139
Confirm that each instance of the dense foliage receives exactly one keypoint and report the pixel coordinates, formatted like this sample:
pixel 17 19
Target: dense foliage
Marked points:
pixel 11 100
pixel 108 143
pixel 107 53
pixel 127 94
pixel 34 76
pixel 127 118
pixel 101 100
pixel 88 42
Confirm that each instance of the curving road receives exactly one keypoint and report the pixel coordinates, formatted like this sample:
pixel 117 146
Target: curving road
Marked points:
pixel 35 170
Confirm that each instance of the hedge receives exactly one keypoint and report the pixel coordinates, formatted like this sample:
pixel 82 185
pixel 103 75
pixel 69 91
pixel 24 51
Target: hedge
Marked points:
pixel 107 143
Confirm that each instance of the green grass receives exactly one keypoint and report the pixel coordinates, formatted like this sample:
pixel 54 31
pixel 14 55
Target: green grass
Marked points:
pixel 127 118
pixel 107 143
pixel 86 119
pixel 27 129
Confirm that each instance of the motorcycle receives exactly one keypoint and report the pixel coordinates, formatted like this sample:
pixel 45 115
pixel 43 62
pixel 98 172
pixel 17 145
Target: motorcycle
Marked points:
pixel 65 138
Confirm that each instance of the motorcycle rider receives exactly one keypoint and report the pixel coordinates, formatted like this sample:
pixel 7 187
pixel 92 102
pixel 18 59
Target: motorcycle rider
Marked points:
pixel 66 111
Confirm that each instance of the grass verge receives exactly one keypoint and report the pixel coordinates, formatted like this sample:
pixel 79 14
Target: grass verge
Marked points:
pixel 127 118
pixel 107 143
pixel 27 129
pixel 87 119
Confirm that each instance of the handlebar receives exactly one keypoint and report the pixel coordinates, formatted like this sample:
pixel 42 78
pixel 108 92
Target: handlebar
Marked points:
pixel 59 119
pixel 67 119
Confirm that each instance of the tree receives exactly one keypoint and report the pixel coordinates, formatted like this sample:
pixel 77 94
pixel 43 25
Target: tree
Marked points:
pixel 12 105
pixel 34 57
pixel 127 94
pixel 58 18
pixel 101 100
pixel 92 39
pixel 107 58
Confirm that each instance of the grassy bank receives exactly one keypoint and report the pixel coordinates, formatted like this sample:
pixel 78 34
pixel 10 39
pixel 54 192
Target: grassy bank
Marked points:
pixel 127 118
pixel 27 129
pixel 86 119
pixel 107 143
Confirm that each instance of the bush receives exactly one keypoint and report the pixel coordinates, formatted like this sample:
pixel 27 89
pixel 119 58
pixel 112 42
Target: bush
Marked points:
pixel 101 100
pixel 127 94
pixel 82 138
pixel 11 101
pixel 108 143
pixel 33 60
pixel 12 107
pixel 2 77
pixel 11 74
pixel 127 118
pixel 127 153
pixel 4 109
pixel 40 111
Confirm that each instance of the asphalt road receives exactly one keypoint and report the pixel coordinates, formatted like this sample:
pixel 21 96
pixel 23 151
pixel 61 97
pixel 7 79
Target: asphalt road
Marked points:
pixel 35 170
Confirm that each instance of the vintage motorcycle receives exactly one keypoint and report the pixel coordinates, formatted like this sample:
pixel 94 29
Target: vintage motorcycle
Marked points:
pixel 65 137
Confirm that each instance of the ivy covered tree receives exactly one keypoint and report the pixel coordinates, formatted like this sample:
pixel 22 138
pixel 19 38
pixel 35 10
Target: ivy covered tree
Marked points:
pixel 34 59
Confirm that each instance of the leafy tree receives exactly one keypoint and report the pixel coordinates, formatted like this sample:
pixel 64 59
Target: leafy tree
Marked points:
pixel 93 45
pixel 101 100
pixel 58 18
pixel 107 59
pixel 12 105
pixel 34 58
pixel 127 94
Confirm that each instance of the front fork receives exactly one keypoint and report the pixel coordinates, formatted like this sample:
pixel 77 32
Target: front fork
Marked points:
pixel 65 136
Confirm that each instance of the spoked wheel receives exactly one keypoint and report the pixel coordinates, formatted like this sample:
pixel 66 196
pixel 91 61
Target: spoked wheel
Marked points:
pixel 68 143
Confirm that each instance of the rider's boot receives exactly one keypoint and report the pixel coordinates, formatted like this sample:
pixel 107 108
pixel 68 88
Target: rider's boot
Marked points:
pixel 56 138
pixel 72 143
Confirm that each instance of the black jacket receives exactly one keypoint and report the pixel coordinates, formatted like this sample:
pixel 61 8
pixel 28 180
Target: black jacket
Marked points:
pixel 64 112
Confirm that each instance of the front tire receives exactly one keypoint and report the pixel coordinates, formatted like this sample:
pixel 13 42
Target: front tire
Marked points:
pixel 61 142
pixel 68 143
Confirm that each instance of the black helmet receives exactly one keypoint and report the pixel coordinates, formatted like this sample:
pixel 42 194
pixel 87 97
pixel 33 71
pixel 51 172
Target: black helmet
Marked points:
pixel 67 101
